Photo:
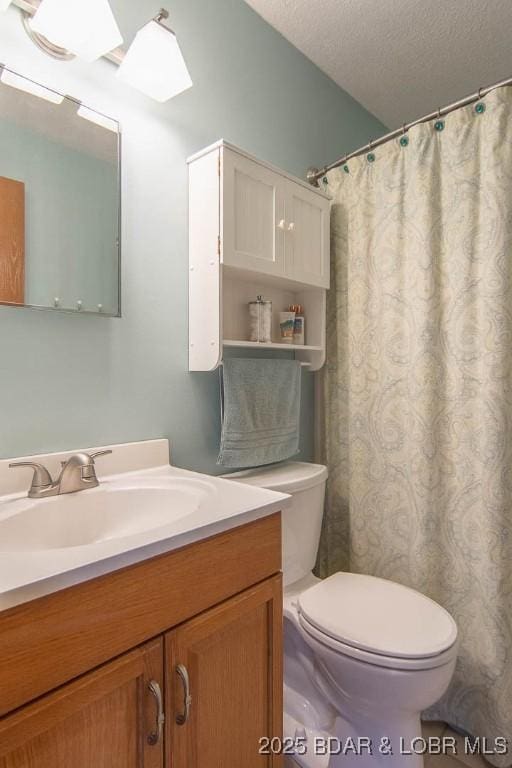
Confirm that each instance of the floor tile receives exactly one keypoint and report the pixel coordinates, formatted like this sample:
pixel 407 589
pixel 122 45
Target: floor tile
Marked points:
pixel 472 761
pixel 432 728
pixel 442 761
pixel 438 729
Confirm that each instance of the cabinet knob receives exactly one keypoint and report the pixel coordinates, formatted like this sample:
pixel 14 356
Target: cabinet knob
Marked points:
pixel 291 226
pixel 282 224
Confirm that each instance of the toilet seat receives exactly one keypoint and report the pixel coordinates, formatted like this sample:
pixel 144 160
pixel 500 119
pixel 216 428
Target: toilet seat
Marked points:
pixel 378 622
pixel 391 662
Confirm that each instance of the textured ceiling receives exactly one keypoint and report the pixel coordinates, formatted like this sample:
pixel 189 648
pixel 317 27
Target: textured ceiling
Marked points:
pixel 400 58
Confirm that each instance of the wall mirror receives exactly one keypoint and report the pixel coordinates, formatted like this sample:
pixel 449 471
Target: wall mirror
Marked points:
pixel 59 201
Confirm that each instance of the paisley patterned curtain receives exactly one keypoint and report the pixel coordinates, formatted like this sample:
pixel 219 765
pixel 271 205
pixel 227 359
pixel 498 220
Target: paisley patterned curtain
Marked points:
pixel 418 387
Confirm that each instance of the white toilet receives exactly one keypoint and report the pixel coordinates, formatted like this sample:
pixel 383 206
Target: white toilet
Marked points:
pixel 363 656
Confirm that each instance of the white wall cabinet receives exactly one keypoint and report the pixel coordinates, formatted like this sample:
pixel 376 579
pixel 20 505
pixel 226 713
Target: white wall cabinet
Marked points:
pixel 307 245
pixel 272 224
pixel 253 229
pixel 253 215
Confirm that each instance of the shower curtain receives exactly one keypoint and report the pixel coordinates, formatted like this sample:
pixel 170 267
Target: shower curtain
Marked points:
pixel 418 387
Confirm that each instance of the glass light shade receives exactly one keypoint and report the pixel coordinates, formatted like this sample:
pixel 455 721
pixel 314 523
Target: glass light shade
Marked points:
pixel 87 28
pixel 24 84
pixel 4 4
pixel 154 63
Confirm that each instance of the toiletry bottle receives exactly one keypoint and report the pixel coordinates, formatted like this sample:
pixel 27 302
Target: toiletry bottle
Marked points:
pixel 287 326
pixel 299 324
pixel 260 320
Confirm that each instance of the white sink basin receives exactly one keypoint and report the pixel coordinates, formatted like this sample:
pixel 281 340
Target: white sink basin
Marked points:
pixel 50 544
pixel 112 511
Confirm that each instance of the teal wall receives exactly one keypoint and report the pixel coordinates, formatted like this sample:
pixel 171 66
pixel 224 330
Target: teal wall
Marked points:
pixel 67 381
pixel 71 219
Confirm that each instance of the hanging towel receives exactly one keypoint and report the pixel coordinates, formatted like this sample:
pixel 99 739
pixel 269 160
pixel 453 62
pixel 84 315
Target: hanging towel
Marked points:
pixel 261 410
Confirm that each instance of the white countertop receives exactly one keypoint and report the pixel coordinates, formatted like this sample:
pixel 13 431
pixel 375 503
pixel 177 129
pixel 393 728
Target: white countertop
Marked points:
pixel 225 504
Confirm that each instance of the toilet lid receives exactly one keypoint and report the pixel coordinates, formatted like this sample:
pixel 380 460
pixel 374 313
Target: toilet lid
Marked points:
pixel 379 616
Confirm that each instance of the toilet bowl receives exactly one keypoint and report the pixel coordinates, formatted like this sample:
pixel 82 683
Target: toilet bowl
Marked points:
pixel 363 656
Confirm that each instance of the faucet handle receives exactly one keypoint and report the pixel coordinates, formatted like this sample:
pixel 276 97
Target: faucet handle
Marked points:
pixel 41 479
pixel 79 472
pixel 85 456
pixel 99 453
pixel 89 471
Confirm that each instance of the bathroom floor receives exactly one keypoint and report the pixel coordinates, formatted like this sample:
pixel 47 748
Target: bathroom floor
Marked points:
pixel 454 758
pixel 450 760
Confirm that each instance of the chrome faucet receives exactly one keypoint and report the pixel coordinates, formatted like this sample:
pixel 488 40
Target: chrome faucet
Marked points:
pixel 78 473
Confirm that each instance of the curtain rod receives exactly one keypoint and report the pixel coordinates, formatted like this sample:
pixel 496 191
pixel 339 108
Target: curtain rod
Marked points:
pixel 314 175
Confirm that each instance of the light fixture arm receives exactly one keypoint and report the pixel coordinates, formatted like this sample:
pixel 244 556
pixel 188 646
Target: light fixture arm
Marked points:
pixel 28 9
pixel 55 51
pixel 162 16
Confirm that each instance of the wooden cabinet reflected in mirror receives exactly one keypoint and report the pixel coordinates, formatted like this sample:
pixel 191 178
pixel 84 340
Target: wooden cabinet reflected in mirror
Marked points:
pixel 12 241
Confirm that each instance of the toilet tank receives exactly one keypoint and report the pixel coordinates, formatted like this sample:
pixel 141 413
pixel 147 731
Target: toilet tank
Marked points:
pixel 302 519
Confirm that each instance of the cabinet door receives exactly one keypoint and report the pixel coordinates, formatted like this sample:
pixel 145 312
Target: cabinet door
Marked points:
pixel 229 662
pixel 12 241
pixel 104 719
pixel 307 236
pixel 252 215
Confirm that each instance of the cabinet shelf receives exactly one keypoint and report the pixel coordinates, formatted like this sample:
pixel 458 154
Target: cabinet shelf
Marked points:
pixel 271 345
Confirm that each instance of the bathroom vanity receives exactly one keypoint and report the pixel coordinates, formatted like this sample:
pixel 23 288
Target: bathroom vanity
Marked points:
pixel 166 652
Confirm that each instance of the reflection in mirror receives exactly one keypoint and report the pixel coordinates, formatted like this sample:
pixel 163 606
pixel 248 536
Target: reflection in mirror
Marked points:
pixel 59 201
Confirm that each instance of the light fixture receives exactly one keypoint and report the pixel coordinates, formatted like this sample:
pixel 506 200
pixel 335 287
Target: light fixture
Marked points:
pixel 63 29
pixel 87 28
pixel 98 118
pixel 24 84
pixel 154 63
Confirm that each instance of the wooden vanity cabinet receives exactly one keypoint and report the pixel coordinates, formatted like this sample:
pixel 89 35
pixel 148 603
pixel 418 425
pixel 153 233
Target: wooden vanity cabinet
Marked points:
pixel 103 719
pixel 233 658
pixel 219 644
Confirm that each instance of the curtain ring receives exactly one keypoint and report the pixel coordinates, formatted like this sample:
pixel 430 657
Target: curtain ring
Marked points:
pixel 404 129
pixel 480 92
pixel 439 124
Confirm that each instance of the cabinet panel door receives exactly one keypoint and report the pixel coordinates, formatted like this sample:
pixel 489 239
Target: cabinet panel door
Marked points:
pixel 12 241
pixel 102 719
pixel 233 658
pixel 252 212
pixel 307 236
